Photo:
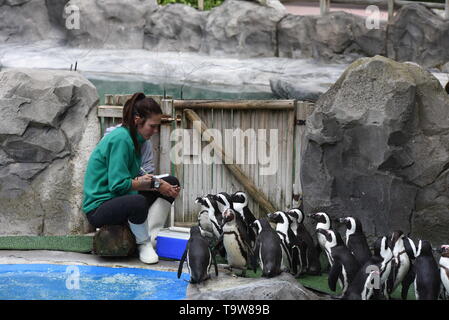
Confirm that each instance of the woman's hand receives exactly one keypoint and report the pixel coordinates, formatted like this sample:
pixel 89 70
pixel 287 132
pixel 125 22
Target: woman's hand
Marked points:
pixel 143 183
pixel 168 190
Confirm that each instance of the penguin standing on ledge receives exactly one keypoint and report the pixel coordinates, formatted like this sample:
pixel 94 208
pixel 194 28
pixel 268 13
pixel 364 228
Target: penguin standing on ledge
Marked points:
pixel 356 240
pixel 313 266
pixel 324 223
pixel 199 257
pixel 444 271
pixel 404 251
pixel 239 253
pixel 344 267
pixel 268 248
pixel 239 202
pixel 427 273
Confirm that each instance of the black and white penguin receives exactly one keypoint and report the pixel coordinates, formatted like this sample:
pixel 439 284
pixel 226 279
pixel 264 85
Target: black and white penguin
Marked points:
pixel 239 202
pixel 268 248
pixel 224 201
pixel 344 267
pixel 382 250
pixel 366 284
pixel 324 223
pixel 404 251
pixel 291 258
pixel 312 255
pixel 444 271
pixel 427 273
pixel 370 281
pixel 199 257
pixel 209 204
pixel 239 253
pixel 356 240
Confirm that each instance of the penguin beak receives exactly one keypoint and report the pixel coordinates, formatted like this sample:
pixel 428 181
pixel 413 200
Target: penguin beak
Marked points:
pixel 322 231
pixel 312 216
pixel 341 220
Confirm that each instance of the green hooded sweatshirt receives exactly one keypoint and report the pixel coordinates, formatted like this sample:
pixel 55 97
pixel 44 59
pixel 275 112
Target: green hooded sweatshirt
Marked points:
pixel 111 167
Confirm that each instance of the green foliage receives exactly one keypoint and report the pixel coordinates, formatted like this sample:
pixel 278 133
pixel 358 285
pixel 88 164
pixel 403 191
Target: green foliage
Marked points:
pixel 208 4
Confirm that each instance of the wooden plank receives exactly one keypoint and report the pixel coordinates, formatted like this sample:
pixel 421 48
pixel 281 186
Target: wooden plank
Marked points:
pixel 289 164
pixel 235 104
pixel 234 169
pixel 390 4
pixel 446 10
pixel 110 111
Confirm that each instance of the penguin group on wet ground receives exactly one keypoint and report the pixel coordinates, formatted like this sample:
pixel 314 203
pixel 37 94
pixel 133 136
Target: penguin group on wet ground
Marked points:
pixel 280 242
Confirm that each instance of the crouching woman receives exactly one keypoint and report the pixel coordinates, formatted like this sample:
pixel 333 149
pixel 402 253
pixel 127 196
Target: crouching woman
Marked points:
pixel 115 194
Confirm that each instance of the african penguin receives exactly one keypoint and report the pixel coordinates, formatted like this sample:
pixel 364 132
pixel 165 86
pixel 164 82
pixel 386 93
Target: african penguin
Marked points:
pixel 324 223
pixel 404 251
pixel 239 202
pixel 444 271
pixel 236 243
pixel 427 273
pixel 268 248
pixel 288 241
pixel 299 229
pixel 344 267
pixel 356 240
pixel 199 257
pixel 366 284
pixel 224 201
pixel 382 250
pixel 215 217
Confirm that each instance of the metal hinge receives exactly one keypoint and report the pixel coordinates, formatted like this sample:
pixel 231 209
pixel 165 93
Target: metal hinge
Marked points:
pixel 300 122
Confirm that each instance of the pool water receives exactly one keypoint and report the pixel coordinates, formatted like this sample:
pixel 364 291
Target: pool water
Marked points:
pixel 69 282
pixel 110 85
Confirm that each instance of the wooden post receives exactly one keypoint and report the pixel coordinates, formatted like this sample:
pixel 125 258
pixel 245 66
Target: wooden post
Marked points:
pixel 446 10
pixel 235 104
pixel 324 6
pixel 201 5
pixel 239 175
pixel 390 11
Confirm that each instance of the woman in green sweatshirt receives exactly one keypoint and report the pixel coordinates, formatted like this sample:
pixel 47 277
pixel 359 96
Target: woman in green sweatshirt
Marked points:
pixel 112 184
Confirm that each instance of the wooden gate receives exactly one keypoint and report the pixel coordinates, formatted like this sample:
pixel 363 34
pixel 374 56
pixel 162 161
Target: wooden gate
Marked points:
pixel 226 145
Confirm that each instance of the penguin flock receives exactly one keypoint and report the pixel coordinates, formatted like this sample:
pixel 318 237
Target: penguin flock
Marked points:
pixel 280 242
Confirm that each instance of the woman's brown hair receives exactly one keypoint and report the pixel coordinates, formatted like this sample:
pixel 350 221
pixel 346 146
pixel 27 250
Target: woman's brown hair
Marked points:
pixel 141 106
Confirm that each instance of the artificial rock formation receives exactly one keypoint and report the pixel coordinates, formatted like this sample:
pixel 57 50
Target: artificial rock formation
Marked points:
pixel 377 148
pixel 48 128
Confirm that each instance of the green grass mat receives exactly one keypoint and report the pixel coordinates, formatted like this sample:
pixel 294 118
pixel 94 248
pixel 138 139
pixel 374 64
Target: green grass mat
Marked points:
pixel 81 243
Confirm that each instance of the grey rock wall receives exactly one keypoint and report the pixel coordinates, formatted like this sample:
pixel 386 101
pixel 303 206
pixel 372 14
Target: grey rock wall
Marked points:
pixel 377 147
pixel 48 128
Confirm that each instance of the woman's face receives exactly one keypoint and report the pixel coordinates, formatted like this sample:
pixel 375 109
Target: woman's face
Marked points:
pixel 148 127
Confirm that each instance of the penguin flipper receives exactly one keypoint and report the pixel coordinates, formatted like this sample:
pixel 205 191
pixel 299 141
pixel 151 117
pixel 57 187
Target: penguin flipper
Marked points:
pixel 408 280
pixel 181 262
pixel 214 260
pixel 334 275
pixel 410 248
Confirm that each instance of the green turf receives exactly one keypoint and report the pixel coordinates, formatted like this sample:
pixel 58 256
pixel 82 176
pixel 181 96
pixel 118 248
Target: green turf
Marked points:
pixel 80 243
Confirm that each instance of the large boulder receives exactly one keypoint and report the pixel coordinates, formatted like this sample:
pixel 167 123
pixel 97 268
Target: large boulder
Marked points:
pixel 241 28
pixel 377 147
pixel 174 27
pixel 110 24
pixel 417 34
pixel 337 36
pixel 25 21
pixel 48 128
pixel 227 287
